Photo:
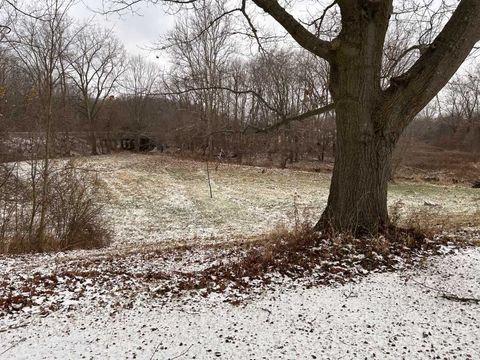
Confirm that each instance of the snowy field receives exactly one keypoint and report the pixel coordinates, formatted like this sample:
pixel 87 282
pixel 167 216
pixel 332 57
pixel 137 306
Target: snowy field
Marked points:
pixel 153 199
pixel 103 304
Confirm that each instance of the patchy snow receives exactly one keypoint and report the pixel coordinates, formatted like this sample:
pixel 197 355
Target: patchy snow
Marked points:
pixel 156 198
pixel 384 316
pixel 152 199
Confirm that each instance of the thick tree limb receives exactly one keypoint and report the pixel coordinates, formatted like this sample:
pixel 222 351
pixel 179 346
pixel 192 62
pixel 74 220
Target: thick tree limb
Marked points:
pixel 277 125
pixel 300 117
pixel 284 121
pixel 299 33
pixel 413 90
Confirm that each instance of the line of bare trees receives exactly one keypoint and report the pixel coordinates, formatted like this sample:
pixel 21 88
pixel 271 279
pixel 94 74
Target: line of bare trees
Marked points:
pixel 59 78
pixel 213 100
pixel 238 98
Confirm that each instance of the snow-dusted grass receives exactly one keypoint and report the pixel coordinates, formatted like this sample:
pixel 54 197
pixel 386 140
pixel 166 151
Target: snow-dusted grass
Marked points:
pixel 155 198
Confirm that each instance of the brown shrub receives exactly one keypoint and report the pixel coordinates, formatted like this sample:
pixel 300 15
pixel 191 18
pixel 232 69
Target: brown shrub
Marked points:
pixel 73 217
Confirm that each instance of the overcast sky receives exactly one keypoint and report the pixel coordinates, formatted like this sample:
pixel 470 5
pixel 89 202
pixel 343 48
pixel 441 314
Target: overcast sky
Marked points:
pixel 136 31
pixel 140 30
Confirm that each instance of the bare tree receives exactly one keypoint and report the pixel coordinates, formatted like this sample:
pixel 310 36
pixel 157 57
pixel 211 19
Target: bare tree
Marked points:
pixel 139 81
pixel 201 63
pixel 40 46
pixel 97 60
pixel 370 118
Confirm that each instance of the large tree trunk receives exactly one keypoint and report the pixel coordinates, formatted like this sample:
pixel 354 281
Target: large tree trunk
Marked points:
pixel 364 141
pixel 358 192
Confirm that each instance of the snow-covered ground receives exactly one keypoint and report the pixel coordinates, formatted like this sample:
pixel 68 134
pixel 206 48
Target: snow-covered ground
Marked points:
pixel 106 303
pixel 384 316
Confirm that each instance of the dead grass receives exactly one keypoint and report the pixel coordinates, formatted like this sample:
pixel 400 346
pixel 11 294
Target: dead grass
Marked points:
pixel 431 222
pixel 428 163
pixel 419 162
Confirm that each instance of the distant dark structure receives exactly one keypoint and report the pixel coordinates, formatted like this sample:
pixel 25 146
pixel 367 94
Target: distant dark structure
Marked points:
pixel 145 143
pixel 476 184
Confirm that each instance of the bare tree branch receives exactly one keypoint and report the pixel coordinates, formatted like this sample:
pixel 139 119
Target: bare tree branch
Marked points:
pixel 25 13
pixel 434 68
pixel 287 120
pixel 318 22
pixel 301 35
pixel 120 6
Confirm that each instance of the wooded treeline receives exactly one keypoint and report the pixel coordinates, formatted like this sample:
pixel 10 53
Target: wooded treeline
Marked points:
pixel 73 86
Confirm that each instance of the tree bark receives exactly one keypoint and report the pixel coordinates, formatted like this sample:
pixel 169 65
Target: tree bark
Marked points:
pixel 365 139
pixel 358 192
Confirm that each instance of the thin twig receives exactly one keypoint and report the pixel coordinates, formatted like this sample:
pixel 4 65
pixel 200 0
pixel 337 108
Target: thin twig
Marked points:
pixel 13 327
pixel 15 344
pixel 266 310
pixel 155 350
pixel 183 353
pixel 460 299
pixel 448 296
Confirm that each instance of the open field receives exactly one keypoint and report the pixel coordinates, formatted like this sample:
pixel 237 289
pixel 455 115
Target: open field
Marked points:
pixel 123 301
pixel 156 198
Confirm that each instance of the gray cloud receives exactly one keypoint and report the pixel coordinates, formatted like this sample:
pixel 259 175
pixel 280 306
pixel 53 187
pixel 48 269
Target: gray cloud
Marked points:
pixel 138 31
